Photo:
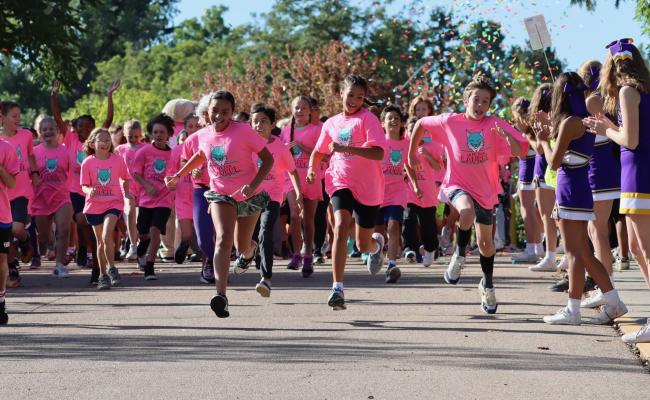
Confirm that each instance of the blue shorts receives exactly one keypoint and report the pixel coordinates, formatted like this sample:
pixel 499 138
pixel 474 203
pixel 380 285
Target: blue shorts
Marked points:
pixel 78 202
pixel 390 213
pixel 98 219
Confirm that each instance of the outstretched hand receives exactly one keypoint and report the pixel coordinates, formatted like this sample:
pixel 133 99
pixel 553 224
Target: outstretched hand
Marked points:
pixel 114 86
pixel 55 87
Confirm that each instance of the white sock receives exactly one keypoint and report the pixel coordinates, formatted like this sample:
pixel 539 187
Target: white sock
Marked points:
pixel 530 248
pixel 611 297
pixel 573 306
pixel 267 281
pixel 611 279
pixel 337 285
pixel 550 255
pixel 539 247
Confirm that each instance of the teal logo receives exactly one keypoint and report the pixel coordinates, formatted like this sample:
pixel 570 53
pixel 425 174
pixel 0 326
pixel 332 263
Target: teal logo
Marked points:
pixel 218 155
pixel 427 139
pixel 80 157
pixel 259 162
pixel 104 176
pixel 50 164
pixel 475 140
pixel 296 152
pixel 19 154
pixel 395 157
pixel 345 134
pixel 159 166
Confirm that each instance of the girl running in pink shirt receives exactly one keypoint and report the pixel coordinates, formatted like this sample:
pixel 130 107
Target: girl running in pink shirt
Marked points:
pixel 105 181
pixel 391 214
pixel 150 166
pixel 9 168
pixel 51 198
pixel 183 202
pixel 301 134
pixel 476 144
pixel 354 180
pixel 235 194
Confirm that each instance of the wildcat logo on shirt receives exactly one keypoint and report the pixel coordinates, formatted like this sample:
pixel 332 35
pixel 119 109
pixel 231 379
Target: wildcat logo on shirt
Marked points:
pixel 296 152
pixel 159 166
pixel 80 157
pixel 475 153
pixel 104 176
pixel 345 135
pixel 220 163
pixel 395 157
pixel 50 164
pixel 218 154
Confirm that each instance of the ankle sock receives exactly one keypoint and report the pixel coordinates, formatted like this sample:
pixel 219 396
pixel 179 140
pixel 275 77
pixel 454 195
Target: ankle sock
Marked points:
pixel 337 285
pixel 573 306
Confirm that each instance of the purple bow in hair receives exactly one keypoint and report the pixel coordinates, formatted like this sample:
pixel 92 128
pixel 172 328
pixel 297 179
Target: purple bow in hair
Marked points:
pixel 576 96
pixel 524 105
pixel 621 49
pixel 545 92
pixel 595 78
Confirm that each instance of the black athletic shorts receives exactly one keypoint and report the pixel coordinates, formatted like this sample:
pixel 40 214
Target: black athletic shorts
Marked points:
pixel 483 215
pixel 5 238
pixel 365 216
pixel 148 217
pixel 19 210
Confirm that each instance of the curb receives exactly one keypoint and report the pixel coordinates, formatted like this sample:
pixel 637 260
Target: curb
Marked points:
pixel 629 324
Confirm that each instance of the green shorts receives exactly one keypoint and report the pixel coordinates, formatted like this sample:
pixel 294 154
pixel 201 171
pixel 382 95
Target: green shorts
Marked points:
pixel 245 208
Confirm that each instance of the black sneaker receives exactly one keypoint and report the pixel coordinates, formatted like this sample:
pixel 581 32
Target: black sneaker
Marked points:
pixel 207 273
pixel 590 285
pixel 560 286
pixel 4 318
pixel 181 252
pixel 195 258
pixel 336 300
pixel 149 272
pixel 94 276
pixel 219 305
pixel 242 264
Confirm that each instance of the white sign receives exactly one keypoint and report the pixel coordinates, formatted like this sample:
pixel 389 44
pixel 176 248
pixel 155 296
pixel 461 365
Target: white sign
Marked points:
pixel 537 32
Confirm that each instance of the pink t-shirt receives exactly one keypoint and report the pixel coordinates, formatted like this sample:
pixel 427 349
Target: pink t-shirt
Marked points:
pixel 307 136
pixel 52 193
pixel 474 151
pixel 183 197
pixel 395 187
pixel 362 176
pixel 152 164
pixel 190 147
pixel 76 155
pixel 127 152
pixel 426 179
pixel 284 162
pixel 9 162
pixel 23 144
pixel 229 157
pixel 104 176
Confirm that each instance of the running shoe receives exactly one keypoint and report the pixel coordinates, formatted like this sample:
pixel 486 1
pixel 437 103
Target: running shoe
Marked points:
pixel 488 298
pixel 427 258
pixel 559 249
pixel 563 265
pixel 590 284
pixel 524 258
pixel 181 252
pixel 195 258
pixel 336 300
pixel 14 279
pixel 560 286
pixel 149 272
pixel 640 336
pixel 622 264
pixel 242 263
pixel 595 300
pixel 114 274
pixel 410 256
pixel 207 273
pixel 60 271
pixel 319 259
pixel 36 263
pixel 452 274
pixel 51 255
pixel 219 305
pixel 608 313
pixel 376 260
pixel 563 317
pixel 393 273
pixel 295 263
pixel 263 288
pixel 546 265
pixel 4 318
pixel 104 282
pixel 142 262
pixel 132 254
pixel 307 266
pixel 25 251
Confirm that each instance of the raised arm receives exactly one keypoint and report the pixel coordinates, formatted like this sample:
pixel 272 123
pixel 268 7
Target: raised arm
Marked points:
pixel 109 113
pixel 56 110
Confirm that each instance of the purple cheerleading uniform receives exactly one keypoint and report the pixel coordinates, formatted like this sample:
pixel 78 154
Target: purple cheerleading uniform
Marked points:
pixel 604 171
pixel 539 170
pixel 635 166
pixel 526 170
pixel 573 194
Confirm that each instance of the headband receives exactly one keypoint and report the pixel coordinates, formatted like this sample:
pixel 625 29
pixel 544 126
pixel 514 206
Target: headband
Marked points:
pixel 621 49
pixel 576 98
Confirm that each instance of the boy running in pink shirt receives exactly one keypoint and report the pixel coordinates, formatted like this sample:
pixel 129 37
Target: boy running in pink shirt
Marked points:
pixel 8 170
pixel 476 144
pixel 354 179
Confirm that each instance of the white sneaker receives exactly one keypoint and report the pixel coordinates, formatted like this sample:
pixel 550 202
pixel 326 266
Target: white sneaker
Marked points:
pixel 563 317
pixel 559 249
pixel 263 288
pixel 595 300
pixel 376 260
pixel 427 258
pixel 60 271
pixel 410 256
pixel 641 336
pixel 524 257
pixel 488 298
pixel 546 265
pixel 563 265
pixel 609 313
pixel 622 264
pixel 132 254
pixel 452 274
